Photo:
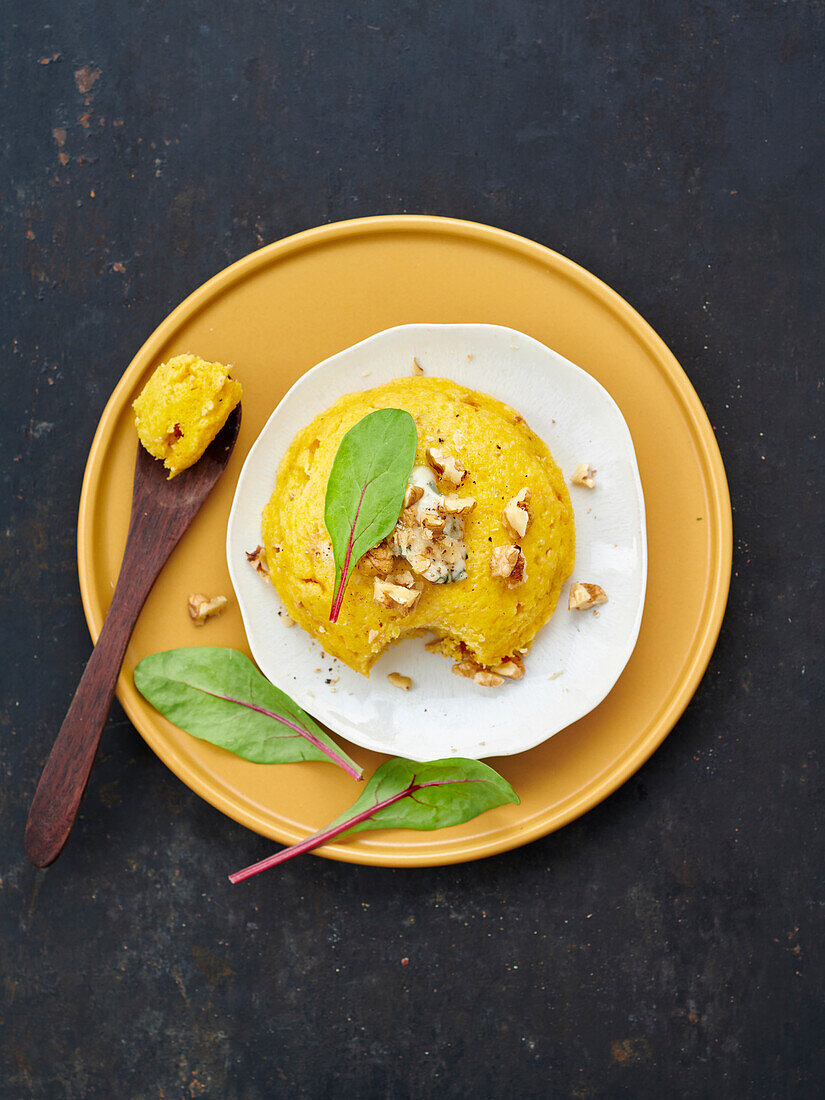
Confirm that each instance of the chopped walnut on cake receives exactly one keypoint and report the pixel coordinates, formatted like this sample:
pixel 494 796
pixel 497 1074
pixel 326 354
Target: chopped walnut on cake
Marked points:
pixel 433 522
pixel 455 505
pixel 517 514
pixel 378 562
pixel 466 668
pixel 509 563
pixel 511 668
pixel 503 560
pixel 446 466
pixel 470 670
pixel 395 596
pixel 413 494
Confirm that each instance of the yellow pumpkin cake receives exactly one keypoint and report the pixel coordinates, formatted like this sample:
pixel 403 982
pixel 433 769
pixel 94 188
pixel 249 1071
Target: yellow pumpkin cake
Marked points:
pixel 482 547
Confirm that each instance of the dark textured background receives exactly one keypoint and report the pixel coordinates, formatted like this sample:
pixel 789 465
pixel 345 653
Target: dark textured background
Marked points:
pixel 670 943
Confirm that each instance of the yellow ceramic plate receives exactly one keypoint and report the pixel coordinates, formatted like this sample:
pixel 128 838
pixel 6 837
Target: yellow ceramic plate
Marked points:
pixel 290 305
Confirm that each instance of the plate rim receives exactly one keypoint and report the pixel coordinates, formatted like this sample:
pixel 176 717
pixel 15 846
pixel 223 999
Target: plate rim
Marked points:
pixel 234 568
pixel 673 704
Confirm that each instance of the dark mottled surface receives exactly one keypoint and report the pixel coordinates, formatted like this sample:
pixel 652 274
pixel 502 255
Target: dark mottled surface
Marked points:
pixel 671 942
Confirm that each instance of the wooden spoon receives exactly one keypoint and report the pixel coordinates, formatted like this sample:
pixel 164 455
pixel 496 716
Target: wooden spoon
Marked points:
pixel 161 512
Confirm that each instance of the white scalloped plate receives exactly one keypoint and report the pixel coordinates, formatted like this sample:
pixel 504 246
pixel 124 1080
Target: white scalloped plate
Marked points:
pixel 576 658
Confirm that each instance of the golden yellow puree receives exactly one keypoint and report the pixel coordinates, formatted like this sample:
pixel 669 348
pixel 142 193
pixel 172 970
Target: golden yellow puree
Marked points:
pixel 182 408
pixel 501 456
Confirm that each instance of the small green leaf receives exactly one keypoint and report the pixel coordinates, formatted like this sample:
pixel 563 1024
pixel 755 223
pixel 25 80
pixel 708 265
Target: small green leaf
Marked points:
pixel 218 695
pixel 439 793
pixel 365 490
pixel 406 795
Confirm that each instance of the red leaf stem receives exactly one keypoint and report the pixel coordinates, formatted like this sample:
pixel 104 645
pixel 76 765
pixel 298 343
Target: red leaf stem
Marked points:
pixel 334 757
pixel 319 838
pixel 339 595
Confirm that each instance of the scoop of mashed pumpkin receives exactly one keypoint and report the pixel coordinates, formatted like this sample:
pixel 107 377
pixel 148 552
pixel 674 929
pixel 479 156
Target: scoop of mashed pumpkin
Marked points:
pixel 182 408
pixel 482 585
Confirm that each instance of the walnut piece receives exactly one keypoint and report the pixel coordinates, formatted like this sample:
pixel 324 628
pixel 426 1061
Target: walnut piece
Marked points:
pixel 412 496
pixel 432 521
pixel 503 560
pixel 405 579
pixel 466 668
pixel 396 596
pixel 583 475
pixel 486 678
pixel 455 505
pixel 202 607
pixel 399 681
pixel 257 557
pixel 517 514
pixel 519 574
pixel 445 465
pixel 511 667
pixel 509 563
pixel 584 596
pixel 377 562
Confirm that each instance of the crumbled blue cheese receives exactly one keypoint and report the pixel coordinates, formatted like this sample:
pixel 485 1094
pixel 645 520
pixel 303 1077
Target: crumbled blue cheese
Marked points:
pixel 429 536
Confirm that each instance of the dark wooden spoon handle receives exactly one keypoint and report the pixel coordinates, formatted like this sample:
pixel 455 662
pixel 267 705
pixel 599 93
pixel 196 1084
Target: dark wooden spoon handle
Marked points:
pixel 66 773
pixel 153 535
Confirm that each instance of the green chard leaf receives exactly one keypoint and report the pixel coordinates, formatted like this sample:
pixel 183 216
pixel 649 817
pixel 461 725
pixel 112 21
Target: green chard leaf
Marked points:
pixel 218 695
pixel 365 490
pixel 406 795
